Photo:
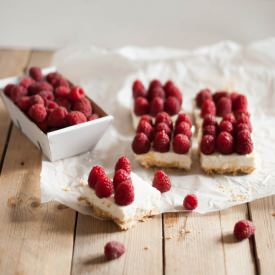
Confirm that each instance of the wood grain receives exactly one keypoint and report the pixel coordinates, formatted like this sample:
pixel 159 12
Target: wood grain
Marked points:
pixel 143 244
pixel 34 238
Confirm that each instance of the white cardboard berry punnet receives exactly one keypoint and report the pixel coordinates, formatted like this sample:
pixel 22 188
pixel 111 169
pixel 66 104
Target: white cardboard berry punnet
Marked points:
pixel 61 143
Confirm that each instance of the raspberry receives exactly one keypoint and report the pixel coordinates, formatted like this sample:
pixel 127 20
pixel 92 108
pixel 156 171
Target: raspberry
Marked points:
pixel 124 194
pixel 181 144
pixel 47 95
pixel 75 117
pixel 156 106
pixel 141 106
pixel 17 92
pixel 141 144
pixel 242 126
pixel 230 117
pixel 224 106
pixel 207 145
pixel 233 96
pixel 244 229
pixel 113 250
pixel 184 118
pixel 37 87
pixel 84 106
pixel 95 173
pixel 240 103
pixel 52 77
pixel 183 128
pixel 26 82
pixel 62 91
pixel 172 105
pixel 241 114
pixel 226 126
pixel 123 163
pixel 244 144
pixel 163 127
pixel 244 118
pixel 225 143
pixel 161 181
pixel 219 94
pixel 76 93
pixel 36 73
pixel 164 117
pixel 8 88
pixel 138 89
pixel 154 83
pixel 43 126
pixel 175 92
pixel 190 202
pixel 51 105
pixel 209 120
pixel 63 102
pixel 208 107
pixel 168 85
pixel 161 142
pixel 202 96
pixel 93 117
pixel 104 187
pixel 37 112
pixel 156 92
pixel 57 118
pixel 120 176
pixel 147 118
pixel 60 82
pixel 146 128
pixel 24 103
pixel 36 99
pixel 210 130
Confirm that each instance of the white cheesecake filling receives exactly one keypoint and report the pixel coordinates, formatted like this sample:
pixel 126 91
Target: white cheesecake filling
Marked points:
pixel 147 198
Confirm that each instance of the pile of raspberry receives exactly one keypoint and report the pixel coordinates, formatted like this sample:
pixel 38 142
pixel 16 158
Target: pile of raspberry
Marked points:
pixel 121 185
pixel 157 98
pixel 231 135
pixel 162 134
pixel 50 101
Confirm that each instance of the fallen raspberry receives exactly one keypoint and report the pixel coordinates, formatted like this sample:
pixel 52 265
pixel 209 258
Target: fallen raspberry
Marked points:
pixel 154 83
pixel 147 118
pixel 17 92
pixel 36 73
pixel 76 117
pixel 47 95
pixel 163 127
pixel 8 88
pixel 37 112
pixel 219 94
pixel 208 107
pixel 146 128
pixel 24 103
pixel 202 96
pixel 138 89
pixel 240 103
pixel 96 173
pixel 164 117
pixel 244 144
pixel 76 93
pixel 207 145
pixel 225 143
pixel 124 193
pixel 93 117
pixel 36 99
pixel 62 91
pixel 210 130
pixel 141 106
pixel 190 202
pixel 161 181
pixel 175 92
pixel 156 92
pixel 156 106
pixel 241 126
pixel 84 106
pixel 104 187
pixel 209 120
pixel 26 82
pixel 172 105
pixel 113 250
pixel 184 118
pixel 230 117
pixel 64 102
pixel 57 118
pixel 37 87
pixel 244 229
pixel 120 176
pixel 224 106
pixel 183 128
pixel 181 144
pixel 226 126
pixel 123 163
pixel 141 144
pixel 161 142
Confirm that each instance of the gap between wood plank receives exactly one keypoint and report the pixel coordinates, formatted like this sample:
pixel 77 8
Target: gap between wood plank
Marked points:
pixel 75 228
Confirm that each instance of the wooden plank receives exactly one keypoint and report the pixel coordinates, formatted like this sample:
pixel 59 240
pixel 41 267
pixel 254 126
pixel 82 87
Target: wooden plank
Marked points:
pixel 11 63
pixel 34 238
pixel 143 247
pixel 196 244
pixel 262 213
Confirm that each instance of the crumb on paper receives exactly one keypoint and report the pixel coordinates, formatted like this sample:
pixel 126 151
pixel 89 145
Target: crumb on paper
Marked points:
pixel 81 198
pixel 66 189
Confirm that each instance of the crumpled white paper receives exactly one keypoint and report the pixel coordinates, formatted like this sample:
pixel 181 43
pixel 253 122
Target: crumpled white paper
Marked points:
pixel 107 76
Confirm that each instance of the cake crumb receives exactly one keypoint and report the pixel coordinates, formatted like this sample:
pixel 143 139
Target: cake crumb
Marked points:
pixel 81 198
pixel 146 248
pixel 66 189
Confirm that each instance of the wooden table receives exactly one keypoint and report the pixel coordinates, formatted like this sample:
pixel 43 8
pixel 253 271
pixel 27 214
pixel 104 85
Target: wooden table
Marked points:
pixel 53 239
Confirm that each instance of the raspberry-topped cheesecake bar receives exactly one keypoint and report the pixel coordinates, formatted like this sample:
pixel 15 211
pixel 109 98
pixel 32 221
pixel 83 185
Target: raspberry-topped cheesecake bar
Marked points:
pixel 126 199
pixel 164 143
pixel 157 98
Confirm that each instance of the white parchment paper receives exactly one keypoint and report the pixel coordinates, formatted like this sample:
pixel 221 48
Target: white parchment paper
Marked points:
pixel 107 76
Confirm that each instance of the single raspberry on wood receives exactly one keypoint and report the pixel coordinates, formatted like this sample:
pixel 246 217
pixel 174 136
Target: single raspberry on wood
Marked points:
pixel 208 108
pixel 26 82
pixel 84 106
pixel 138 89
pixel 36 99
pixel 224 106
pixel 226 126
pixel 209 120
pixel 37 112
pixel 120 176
pixel 124 193
pixel 24 103
pixel 76 93
pixel 244 229
pixel 162 126
pixel 156 92
pixel 210 130
pixel 207 145
pixel 190 202
pixel 244 143
pixel 240 103
pixel 225 143
pixel 141 144
pixel 36 73
pixel 161 142
pixel 202 96
pixel 123 163
pixel 184 118
pixel 62 91
pixel 104 187
pixel 181 144
pixel 161 181
pixel 156 106
pixel 146 128
pixel 113 250
pixel 172 105
pixel 141 106
pixel 164 117
pixel 96 172
pixel 57 118
pixel 219 94
pixel 75 117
